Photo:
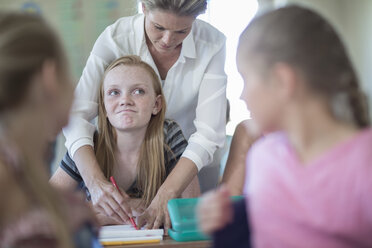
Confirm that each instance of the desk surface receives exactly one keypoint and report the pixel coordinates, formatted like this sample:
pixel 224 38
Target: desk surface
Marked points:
pixel 168 243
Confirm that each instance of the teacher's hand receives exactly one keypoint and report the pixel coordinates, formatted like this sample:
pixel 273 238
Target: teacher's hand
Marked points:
pixel 107 200
pixel 156 214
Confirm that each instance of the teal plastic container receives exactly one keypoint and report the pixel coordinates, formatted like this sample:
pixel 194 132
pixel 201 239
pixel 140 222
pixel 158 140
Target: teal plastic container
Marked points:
pixel 182 212
pixel 187 235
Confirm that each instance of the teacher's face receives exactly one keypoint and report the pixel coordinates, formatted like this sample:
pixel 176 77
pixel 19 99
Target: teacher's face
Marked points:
pixel 166 30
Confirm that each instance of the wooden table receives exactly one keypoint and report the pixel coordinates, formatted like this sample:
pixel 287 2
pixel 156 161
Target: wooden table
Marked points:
pixel 168 243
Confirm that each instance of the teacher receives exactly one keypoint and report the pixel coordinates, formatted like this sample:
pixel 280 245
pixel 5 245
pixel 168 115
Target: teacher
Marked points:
pixel 188 56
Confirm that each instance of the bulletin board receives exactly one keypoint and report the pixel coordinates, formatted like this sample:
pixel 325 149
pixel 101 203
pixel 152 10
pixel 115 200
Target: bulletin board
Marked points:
pixel 78 22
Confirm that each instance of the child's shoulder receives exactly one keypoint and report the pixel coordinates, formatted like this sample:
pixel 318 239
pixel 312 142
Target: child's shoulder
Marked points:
pixel 173 134
pixel 269 146
pixel 271 141
pixel 171 128
pixel 170 124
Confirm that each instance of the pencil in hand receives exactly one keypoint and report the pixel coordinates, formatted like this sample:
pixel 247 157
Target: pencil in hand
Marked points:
pixel 112 179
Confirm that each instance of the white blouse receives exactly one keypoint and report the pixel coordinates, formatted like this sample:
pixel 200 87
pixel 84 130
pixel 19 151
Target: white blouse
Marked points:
pixel 195 86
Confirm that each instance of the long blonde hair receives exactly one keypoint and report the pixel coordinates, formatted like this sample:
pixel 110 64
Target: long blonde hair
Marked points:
pixel 151 165
pixel 26 42
pixel 179 7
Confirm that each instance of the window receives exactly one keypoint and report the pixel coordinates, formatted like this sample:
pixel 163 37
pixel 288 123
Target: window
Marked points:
pixel 231 17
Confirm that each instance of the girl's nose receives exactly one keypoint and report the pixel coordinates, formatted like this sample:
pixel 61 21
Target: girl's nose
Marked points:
pixel 126 99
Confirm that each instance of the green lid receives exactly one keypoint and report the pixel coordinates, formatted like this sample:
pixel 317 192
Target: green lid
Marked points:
pixel 182 212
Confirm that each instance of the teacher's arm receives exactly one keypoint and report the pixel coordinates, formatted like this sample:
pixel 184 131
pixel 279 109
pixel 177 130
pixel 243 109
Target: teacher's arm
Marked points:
pixel 177 181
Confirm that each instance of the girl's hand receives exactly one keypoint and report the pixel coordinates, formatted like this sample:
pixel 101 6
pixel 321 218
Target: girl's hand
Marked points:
pixel 105 197
pixel 215 210
pixel 135 205
pixel 156 214
pixel 107 200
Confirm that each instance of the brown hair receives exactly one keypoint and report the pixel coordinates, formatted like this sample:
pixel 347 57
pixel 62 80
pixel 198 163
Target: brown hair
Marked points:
pixel 26 42
pixel 179 7
pixel 306 41
pixel 150 167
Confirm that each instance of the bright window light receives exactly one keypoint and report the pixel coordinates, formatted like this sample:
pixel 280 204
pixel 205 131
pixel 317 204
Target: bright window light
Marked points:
pixel 231 17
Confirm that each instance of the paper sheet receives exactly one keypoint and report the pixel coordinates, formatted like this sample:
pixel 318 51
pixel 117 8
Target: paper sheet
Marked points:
pixel 127 231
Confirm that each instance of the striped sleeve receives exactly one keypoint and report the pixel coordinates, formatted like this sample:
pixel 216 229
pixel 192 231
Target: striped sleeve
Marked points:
pixel 175 144
pixel 69 166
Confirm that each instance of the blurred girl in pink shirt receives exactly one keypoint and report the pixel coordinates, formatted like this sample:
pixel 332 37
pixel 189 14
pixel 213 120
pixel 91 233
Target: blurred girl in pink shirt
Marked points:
pixel 309 182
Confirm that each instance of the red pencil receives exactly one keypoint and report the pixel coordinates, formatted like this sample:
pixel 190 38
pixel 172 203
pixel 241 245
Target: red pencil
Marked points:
pixel 112 179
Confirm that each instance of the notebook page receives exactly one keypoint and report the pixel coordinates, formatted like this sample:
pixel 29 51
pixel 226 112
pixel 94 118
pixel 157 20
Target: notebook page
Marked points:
pixel 127 231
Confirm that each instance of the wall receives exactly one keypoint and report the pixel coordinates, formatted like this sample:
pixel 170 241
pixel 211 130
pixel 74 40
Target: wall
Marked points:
pixel 353 20
pixel 79 23
pixel 357 24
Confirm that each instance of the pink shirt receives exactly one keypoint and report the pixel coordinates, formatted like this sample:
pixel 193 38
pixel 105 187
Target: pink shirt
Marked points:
pixel 327 203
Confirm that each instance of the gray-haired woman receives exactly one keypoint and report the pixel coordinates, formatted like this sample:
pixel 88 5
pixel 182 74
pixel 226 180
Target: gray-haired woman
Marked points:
pixel 188 56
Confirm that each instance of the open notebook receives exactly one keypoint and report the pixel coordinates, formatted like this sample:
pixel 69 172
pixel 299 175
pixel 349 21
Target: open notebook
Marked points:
pixel 127 234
